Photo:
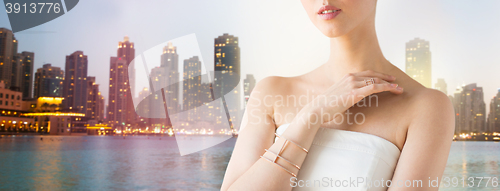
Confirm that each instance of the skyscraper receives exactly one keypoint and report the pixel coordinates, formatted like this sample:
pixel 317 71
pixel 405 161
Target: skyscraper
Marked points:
pixel 75 82
pixel 16 69
pixel 170 65
pixel 166 77
pixel 15 81
pixel 170 61
pixel 249 84
pixel 227 75
pixel 192 89
pixel 94 101
pixel 49 81
pixel 441 86
pixel 8 50
pixel 118 92
pixel 22 73
pixel 494 116
pixel 470 109
pixel 100 116
pixel 126 51
pixel 418 61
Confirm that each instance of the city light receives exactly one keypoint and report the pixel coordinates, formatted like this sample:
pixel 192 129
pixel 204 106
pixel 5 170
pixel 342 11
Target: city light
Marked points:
pixel 50 99
pixel 99 127
pixel 54 114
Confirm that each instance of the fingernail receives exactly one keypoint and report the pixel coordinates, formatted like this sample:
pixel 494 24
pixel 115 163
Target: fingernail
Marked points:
pixel 393 77
pixel 394 85
pixel 399 88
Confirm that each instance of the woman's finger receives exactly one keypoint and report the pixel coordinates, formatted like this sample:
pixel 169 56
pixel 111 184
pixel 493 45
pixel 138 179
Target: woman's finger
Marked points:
pixel 365 81
pixel 371 73
pixel 377 88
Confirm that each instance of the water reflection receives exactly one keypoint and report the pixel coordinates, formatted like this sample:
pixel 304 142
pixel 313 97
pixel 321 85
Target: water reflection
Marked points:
pixel 473 159
pixel 142 163
pixel 103 163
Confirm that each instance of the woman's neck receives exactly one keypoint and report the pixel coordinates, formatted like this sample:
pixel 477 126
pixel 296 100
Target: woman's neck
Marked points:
pixel 356 51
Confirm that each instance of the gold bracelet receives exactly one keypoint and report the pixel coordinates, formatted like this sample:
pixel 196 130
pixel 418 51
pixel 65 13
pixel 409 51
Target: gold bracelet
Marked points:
pixel 289 172
pixel 296 166
pixel 286 140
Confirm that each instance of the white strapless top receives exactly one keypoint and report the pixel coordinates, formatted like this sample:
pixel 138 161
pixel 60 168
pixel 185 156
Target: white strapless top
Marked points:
pixel 346 160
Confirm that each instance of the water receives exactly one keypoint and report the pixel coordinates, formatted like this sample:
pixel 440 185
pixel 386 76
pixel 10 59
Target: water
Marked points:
pixel 473 159
pixel 108 163
pixel 139 163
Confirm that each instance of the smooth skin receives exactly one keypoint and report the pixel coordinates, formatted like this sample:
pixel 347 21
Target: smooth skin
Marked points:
pixel 418 120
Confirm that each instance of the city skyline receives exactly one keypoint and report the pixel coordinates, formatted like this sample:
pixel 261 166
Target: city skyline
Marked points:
pixel 446 66
pixel 396 23
pixel 226 56
pixel 200 87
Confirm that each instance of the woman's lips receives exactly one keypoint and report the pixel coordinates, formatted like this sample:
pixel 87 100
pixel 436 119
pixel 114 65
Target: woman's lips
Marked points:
pixel 328 12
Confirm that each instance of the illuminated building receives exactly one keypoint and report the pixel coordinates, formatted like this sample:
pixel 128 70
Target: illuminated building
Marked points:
pixel 101 108
pixel 126 51
pixel 191 90
pixel 118 92
pixel 75 82
pixel 59 125
pixel 169 69
pixel 99 129
pixel 49 81
pixel 11 118
pixel 248 85
pixel 166 77
pixel 95 105
pixel 48 104
pixel 470 109
pixel 16 69
pixel 8 50
pixel 22 73
pixel 494 116
pixel 65 124
pixel 10 99
pixel 48 117
pixel 418 61
pixel 42 108
pixel 208 113
pixel 13 121
pixel 227 75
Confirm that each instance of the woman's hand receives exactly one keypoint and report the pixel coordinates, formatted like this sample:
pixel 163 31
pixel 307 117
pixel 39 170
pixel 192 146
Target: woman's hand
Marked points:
pixel 351 89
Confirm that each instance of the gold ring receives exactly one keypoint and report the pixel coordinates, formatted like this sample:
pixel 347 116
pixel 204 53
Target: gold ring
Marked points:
pixel 369 82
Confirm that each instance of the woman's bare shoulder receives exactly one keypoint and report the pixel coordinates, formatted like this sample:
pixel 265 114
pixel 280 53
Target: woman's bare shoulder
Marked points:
pixel 431 105
pixel 426 99
pixel 420 98
pixel 273 85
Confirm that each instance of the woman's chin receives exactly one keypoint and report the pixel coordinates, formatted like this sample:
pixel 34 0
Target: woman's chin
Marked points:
pixel 332 33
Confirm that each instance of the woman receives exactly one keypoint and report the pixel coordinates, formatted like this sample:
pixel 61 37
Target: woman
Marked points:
pixel 356 130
